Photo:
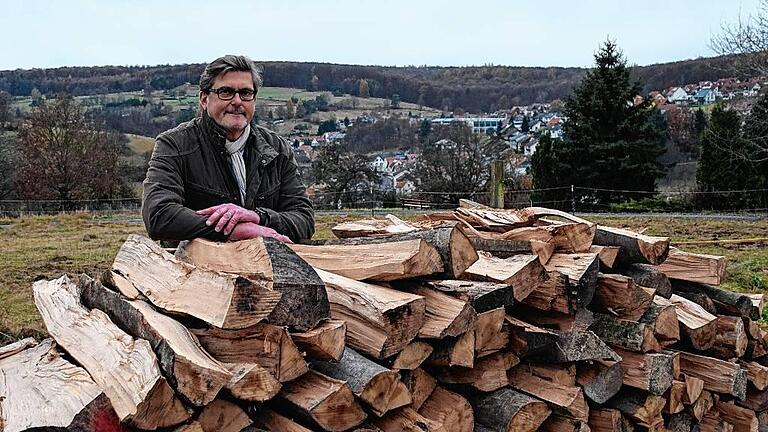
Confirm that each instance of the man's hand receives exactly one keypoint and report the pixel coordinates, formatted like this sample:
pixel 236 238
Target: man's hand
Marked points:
pixel 249 230
pixel 227 216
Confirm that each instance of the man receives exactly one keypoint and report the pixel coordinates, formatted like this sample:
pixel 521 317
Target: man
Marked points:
pixel 220 177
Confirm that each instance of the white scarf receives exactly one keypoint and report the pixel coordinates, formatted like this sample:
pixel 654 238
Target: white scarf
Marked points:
pixel 236 149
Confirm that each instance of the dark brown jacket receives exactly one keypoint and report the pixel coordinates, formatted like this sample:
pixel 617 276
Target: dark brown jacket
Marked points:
pixel 190 170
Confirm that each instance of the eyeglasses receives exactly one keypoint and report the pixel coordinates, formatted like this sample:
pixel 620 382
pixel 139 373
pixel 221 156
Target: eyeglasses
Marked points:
pixel 227 93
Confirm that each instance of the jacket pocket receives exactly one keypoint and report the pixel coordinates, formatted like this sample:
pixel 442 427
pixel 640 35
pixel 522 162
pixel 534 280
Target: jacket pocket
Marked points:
pixel 199 197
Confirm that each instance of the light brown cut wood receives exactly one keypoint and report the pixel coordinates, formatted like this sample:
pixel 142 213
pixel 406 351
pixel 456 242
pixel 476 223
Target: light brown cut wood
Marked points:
pixel 601 380
pixel 718 375
pixel 562 374
pixel 652 372
pixel 449 409
pixel 509 411
pixel 267 345
pixel 582 270
pixel 490 219
pixel 220 299
pixel 419 383
pixel 483 296
pixel 15 347
pixel 621 296
pixel 36 379
pixel 570 237
pixel 325 401
pixel 639 406
pixel 708 269
pixel 488 374
pixel 458 351
pixel 388 226
pixel 607 255
pixel 124 367
pixel 445 316
pixel 757 374
pixel 758 302
pixel 711 422
pixel 407 420
pixel 527 339
pixel 630 335
pixel 275 422
pixel 608 420
pixel 522 272
pixel 566 399
pixel 730 337
pixel 223 416
pixel 696 324
pixel 496 245
pixel 553 293
pixel 702 405
pixel 674 397
pixel 490 333
pixel 251 382
pixel 380 321
pixel 413 355
pixel 742 419
pixel 663 319
pixel 377 262
pixel 635 248
pixel 324 342
pixel 693 388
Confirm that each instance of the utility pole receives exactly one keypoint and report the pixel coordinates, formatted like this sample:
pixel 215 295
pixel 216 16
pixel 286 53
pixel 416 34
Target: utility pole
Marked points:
pixel 497 184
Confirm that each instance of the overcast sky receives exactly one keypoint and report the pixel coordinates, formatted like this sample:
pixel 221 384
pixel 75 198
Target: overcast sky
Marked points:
pixel 50 33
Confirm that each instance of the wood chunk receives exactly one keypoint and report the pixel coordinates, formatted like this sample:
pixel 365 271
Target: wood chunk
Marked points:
pixel 607 255
pixel 718 375
pixel 220 299
pixel 674 397
pixel 420 385
pixel 490 333
pixel 757 374
pixel 601 380
pixel 742 419
pixel 758 303
pixel 251 382
pixel 579 345
pixel 558 423
pixel 275 422
pixel 370 382
pixel 483 296
pixel 552 294
pixel 376 262
pixel 37 378
pixel 503 248
pixel 696 324
pixel 528 339
pixel 608 420
pixel 223 416
pixel 380 321
pixel 649 276
pixel 491 219
pixel 662 316
pixel 450 409
pixel 702 405
pixel 562 374
pixel 267 345
pixel 407 420
pixel 681 422
pixel 303 302
pixel 458 351
pixel 445 316
pixel 16 347
pixel 522 272
pixel 756 400
pixel 635 248
pixel 125 368
pixel 621 296
pixel 650 372
pixel 509 410
pixel 191 371
pixel 727 302
pixel 693 388
pixel 630 335
pixel 713 423
pixel 707 269
pixel 582 270
pixel 730 337
pixel 322 400
pixel 564 399
pixel 412 356
pixel 390 225
pixel 638 406
pixel 324 342
pixel 488 374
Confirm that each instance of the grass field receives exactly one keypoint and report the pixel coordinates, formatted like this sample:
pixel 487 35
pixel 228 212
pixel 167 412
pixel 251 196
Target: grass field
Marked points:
pixel 45 247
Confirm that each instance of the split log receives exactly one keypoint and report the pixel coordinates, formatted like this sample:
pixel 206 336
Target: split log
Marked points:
pixel 674 397
pixel 638 406
pixel 559 423
pixel 727 302
pixel 571 237
pixel 635 248
pixel 757 374
pixel 630 335
pixel 561 374
pixel 370 382
pixel 223 416
pixel 742 419
pixel 220 299
pixel 601 380
pixel 407 420
pixel 487 374
pixel 700 299
pixel 450 409
pixel 380 321
pixel 267 345
pixel 445 316
pixel 324 342
pixel 458 351
pixel 552 294
pixel 378 262
pixel 490 333
pixel 412 356
pixel 582 270
pixel 16 347
pixel 756 400
pixel 323 401
pixel 420 385
pixel 730 337
pixel 696 324
pixel 758 303
pixel 527 339
pixel 251 382
pixel 579 345
pixel 711 422
pixel 507 410
pixel 565 399
pixel 37 379
pixel 662 317
pixel 125 368
pixel 693 388
pixel 621 296
pixel 483 296
pixel 270 264
pixel 608 420
pixel 607 255
pixel 650 277
pixel 191 371
pixel 702 405
pixel 650 372
pixel 491 219
pixel 275 422
pixel 503 248
pixel 706 269
pixel 522 272
pixel 391 224
pixel 718 375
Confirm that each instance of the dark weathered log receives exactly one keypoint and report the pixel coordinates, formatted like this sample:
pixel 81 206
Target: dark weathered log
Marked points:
pixel 680 422
pixel 707 269
pixel 191 371
pixel 324 342
pixel 638 406
pixel 371 383
pixel 490 333
pixel 36 379
pixel 742 419
pixel 450 409
pixel 420 385
pixel 412 356
pixel 487 374
pixel 582 270
pixel 621 296
pixel 608 420
pixel 124 368
pixel 527 339
pixel 522 272
pixel 635 248
pixel 508 410
pixel 579 345
pixel 650 277
pixel 662 317
pixel 650 372
pixel 503 248
pixel 483 296
pixel 223 416
pixel 630 335
pixel 568 400
pixel 601 380
pixel 459 351
pixel 696 324
pixel 718 375
pixel 552 294
pixel 727 302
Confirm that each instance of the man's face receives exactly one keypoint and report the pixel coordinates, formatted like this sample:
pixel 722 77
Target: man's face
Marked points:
pixel 234 114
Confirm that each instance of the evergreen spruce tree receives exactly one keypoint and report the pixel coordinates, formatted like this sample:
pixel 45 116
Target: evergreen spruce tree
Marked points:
pixel 717 169
pixel 546 169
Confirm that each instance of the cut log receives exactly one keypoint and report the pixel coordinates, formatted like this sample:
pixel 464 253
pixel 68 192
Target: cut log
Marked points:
pixel 558 423
pixel 757 374
pixel 527 339
pixel 220 299
pixel 582 271
pixel 371 383
pixel 630 335
pixel 445 316
pixel 662 317
pixel 450 409
pixel 635 248
pixel 674 397
pixel 490 333
pixel 483 296
pixel 727 302
pixel 378 262
pixel 700 299
pixel 491 219
pixel 522 272
pixel 251 382
pixel 380 321
pixel 412 356
pixel 503 248
pixel 391 224
pixel 711 422
pixel 649 276
pixel 579 345
pixel 507 410
pixel 574 236
pixel 125 368
pixel 37 378
pixel 706 269
pixel 621 296
pixel 324 401
pixel 267 345
pixel 275 422
pixel 303 302
pixel 730 337
pixel 16 347
pixel 223 416
pixel 458 351
pixel 638 406
pixel 650 372
pixel 564 399
pixel 324 342
pixel 718 375
pixel 191 371
pixel 407 420
pixel 552 294
pixel 693 388
pixel 758 303
pixel 561 374
pixel 608 420
pixel 756 400
pixel 488 374
pixel 607 255
pixel 420 385
pixel 696 324
pixel 742 419
pixel 601 380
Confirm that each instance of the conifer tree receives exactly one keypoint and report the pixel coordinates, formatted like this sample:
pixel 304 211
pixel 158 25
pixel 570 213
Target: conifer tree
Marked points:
pixel 718 169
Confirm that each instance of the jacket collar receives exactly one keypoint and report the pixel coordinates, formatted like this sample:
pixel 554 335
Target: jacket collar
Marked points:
pixel 257 138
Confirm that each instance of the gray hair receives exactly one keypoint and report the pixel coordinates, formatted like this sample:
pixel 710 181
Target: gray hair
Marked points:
pixel 230 63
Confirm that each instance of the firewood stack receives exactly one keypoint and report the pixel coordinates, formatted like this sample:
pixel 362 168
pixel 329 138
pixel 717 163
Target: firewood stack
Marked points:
pixel 477 319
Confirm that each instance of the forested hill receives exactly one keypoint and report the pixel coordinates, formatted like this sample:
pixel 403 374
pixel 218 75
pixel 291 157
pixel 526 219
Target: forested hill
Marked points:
pixel 472 88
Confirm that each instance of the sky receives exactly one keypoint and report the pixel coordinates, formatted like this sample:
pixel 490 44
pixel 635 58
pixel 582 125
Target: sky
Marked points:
pixel 53 33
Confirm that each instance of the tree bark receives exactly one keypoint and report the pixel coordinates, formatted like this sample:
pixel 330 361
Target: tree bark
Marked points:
pixel 509 410
pixel 635 248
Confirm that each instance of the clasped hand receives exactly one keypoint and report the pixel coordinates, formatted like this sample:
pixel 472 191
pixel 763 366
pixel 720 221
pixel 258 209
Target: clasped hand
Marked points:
pixel 238 223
